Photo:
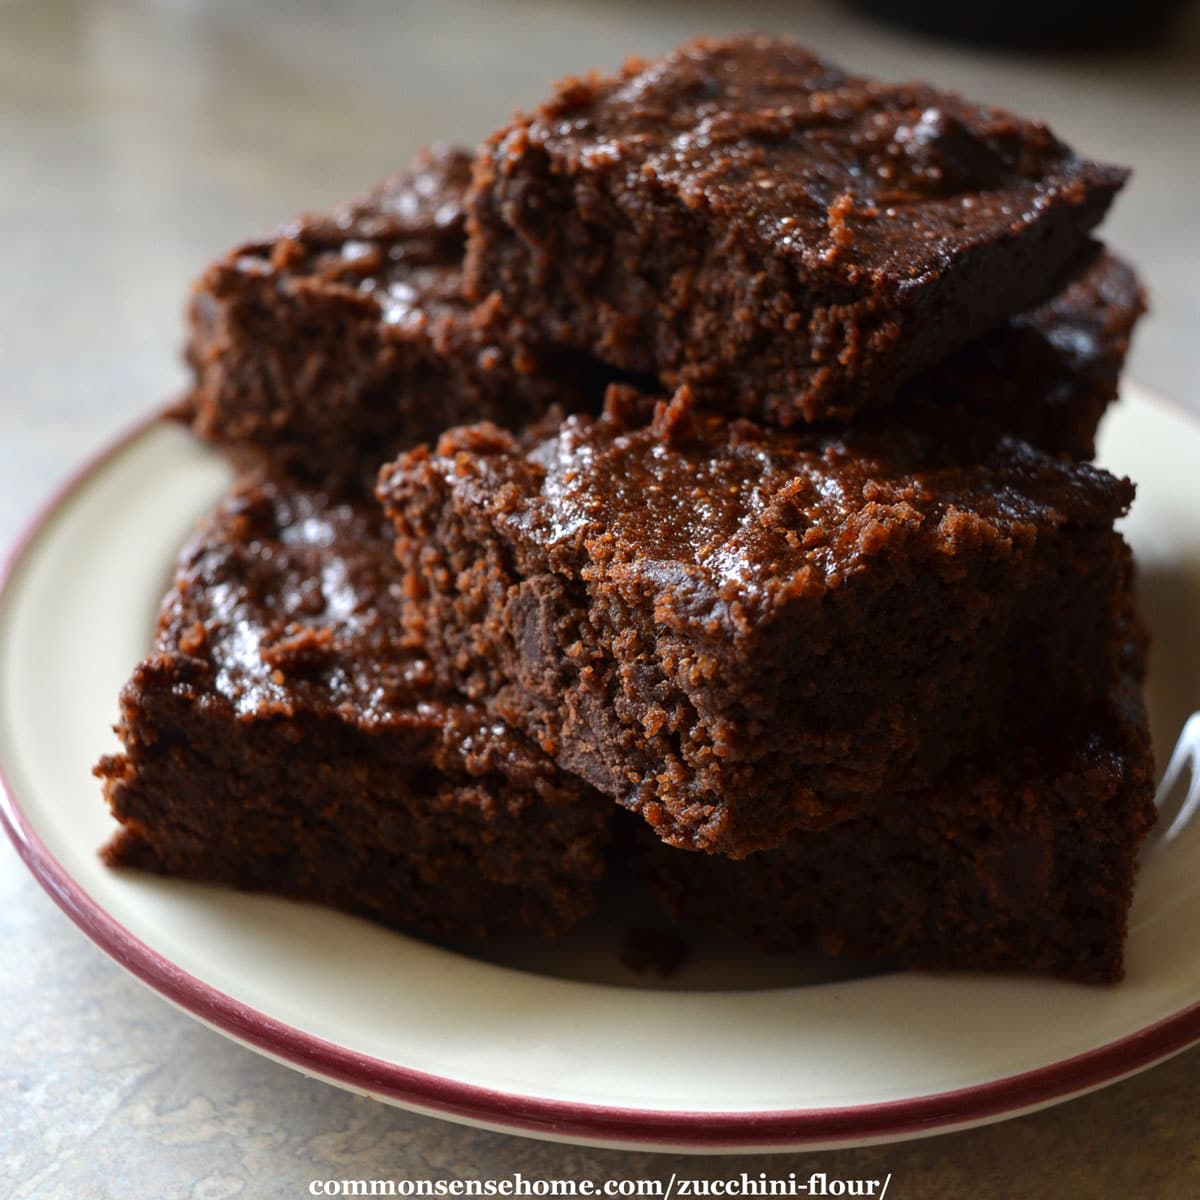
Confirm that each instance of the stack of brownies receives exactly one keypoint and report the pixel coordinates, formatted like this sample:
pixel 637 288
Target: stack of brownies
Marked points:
pixel 733 415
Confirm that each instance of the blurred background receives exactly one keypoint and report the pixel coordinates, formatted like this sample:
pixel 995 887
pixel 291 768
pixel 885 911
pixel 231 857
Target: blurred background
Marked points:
pixel 140 138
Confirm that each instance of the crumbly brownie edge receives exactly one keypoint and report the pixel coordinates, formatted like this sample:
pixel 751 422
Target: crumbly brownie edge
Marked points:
pixel 1025 865
pixel 310 807
pixel 765 368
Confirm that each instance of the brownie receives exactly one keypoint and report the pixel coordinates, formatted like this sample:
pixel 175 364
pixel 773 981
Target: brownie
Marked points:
pixel 737 631
pixel 790 240
pixel 284 737
pixel 319 351
pixel 1024 861
pixel 325 348
pixel 1045 377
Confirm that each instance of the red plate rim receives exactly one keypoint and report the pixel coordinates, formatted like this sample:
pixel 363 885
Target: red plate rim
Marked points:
pixel 651 1129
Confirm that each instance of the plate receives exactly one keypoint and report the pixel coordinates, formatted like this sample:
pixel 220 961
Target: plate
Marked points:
pixel 564 1042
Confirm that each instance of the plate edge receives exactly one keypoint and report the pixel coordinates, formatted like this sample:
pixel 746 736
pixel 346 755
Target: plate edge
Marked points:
pixel 647 1129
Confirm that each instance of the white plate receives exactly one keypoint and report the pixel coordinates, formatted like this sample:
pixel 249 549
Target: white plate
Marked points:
pixel 719 1058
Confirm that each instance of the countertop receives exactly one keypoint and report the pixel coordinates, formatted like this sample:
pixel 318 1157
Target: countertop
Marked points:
pixel 138 140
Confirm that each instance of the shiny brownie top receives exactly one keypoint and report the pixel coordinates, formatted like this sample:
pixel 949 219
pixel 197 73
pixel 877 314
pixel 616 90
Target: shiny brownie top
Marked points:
pixel 841 172
pixel 287 605
pixel 723 520
pixel 399 247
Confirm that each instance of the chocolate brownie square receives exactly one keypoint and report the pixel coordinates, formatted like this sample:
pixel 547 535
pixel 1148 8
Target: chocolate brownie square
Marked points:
pixel 327 347
pixel 284 737
pixel 1023 861
pixel 790 240
pixel 737 631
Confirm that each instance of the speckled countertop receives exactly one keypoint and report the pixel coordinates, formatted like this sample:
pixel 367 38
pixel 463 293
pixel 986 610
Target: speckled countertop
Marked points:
pixel 136 141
